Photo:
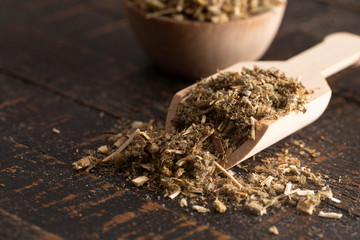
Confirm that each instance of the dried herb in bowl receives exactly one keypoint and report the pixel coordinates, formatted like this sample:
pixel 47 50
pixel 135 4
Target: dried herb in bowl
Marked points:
pixel 217 11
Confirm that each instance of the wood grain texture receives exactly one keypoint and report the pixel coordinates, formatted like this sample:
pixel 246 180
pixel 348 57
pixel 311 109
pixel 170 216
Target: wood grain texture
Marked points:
pixel 351 5
pixel 12 227
pixel 62 63
pixel 58 200
pixel 39 184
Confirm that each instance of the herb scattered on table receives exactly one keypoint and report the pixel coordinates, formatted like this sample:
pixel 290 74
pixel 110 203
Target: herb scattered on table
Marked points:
pixel 185 164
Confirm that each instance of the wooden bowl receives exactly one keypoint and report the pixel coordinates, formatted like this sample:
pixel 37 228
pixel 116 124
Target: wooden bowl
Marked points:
pixel 197 49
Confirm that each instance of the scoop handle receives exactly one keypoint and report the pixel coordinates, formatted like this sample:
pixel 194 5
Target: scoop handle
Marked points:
pixel 336 52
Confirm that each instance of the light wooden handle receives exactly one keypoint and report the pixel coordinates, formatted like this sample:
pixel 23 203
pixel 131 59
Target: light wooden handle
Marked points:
pixel 336 52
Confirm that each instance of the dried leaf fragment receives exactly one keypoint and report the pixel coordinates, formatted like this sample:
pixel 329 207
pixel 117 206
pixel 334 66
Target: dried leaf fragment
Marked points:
pixel 175 194
pixel 288 188
pixel 305 206
pixel 305 192
pixel 55 130
pixel 330 215
pixel 139 181
pixel 219 206
pixel 148 166
pixel 335 199
pixel 119 141
pixel 274 230
pixel 183 202
pixel 83 162
pixel 200 209
pixel 103 149
pixel 137 124
pixel 267 181
pixel 255 208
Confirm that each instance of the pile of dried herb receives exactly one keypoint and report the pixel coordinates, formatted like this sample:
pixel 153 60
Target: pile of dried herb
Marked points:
pixel 184 164
pixel 179 166
pixel 217 11
pixel 233 103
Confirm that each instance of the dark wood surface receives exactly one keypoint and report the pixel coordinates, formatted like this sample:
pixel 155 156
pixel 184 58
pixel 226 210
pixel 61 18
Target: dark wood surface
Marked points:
pixel 64 63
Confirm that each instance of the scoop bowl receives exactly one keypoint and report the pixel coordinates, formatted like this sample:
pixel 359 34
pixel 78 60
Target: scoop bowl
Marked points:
pixel 336 52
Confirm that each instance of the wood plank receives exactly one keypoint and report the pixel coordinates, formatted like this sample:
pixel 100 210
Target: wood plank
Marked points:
pixel 29 114
pixel 63 62
pixel 12 227
pixel 318 19
pixel 288 44
pixel 346 84
pixel 40 186
pixel 46 191
pixel 40 176
pixel 100 51
pixel 351 5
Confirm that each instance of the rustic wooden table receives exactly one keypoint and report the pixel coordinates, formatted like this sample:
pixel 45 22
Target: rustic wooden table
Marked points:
pixel 75 66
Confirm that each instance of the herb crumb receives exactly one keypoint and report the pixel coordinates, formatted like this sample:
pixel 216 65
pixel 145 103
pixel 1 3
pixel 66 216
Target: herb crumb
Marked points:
pixel 219 206
pixel 274 230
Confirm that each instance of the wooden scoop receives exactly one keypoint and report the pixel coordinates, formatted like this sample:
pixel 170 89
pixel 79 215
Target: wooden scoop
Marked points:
pixel 336 52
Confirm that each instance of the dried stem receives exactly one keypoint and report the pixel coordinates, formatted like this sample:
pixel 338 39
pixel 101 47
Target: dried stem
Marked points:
pixel 228 175
pixel 122 147
pixel 160 13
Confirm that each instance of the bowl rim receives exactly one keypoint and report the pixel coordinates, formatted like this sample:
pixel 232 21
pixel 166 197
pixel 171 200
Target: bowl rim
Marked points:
pixel 276 9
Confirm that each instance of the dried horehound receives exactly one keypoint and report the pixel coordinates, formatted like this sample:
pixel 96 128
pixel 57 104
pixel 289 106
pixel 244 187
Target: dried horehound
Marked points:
pixel 185 163
pixel 181 164
pixel 216 11
pixel 235 102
